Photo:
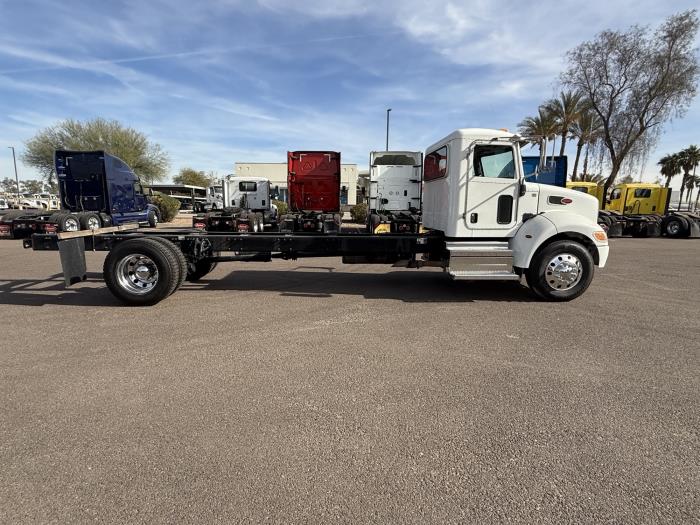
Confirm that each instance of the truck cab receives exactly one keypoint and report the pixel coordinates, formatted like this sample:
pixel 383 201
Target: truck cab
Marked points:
pixel 103 186
pixel 639 199
pixel 498 226
pixel 395 183
pixel 246 206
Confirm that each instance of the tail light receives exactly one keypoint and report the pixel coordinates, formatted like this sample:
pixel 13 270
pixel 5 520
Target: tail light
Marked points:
pixel 309 225
pixel 200 225
pixel 243 226
pixel 4 229
pixel 50 228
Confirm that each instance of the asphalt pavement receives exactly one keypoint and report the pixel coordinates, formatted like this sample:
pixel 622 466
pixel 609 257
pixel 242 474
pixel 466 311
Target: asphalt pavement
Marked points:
pixel 311 391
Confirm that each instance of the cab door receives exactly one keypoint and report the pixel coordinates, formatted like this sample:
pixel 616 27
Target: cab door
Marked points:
pixel 493 188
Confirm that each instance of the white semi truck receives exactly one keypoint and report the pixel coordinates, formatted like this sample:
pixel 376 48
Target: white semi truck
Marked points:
pixel 245 205
pixel 483 221
pixel 395 182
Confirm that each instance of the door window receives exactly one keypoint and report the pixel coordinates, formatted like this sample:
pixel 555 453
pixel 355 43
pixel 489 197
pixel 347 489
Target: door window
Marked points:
pixel 494 162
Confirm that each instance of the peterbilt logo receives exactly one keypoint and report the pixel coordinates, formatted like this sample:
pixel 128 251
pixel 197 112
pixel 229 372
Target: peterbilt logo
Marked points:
pixel 557 199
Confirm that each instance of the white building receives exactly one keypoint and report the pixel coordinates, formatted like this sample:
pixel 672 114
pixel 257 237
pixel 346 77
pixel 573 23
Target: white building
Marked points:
pixel 277 173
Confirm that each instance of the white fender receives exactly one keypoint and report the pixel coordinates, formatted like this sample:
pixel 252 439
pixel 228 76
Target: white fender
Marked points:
pixel 538 230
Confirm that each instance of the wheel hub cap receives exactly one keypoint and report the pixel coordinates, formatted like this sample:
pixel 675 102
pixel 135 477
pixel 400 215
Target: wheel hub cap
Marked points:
pixel 563 272
pixel 137 274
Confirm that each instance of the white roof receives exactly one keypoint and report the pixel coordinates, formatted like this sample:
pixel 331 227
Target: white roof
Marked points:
pixel 247 178
pixel 474 134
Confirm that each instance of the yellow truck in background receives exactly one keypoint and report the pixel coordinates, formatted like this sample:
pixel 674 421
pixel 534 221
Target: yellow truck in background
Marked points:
pixel 641 210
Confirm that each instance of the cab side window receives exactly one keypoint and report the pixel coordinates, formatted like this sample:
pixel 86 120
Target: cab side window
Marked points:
pixel 616 193
pixel 435 164
pixel 494 161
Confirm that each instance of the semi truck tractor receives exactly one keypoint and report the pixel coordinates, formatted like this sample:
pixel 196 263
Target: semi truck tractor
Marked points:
pixel 96 189
pixel 395 187
pixel 313 183
pixel 483 221
pixel 640 210
pixel 247 207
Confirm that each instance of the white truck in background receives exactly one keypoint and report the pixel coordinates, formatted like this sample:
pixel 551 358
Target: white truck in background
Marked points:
pixel 395 189
pixel 245 205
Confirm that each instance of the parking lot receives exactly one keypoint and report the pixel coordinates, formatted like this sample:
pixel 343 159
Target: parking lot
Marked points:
pixel 312 391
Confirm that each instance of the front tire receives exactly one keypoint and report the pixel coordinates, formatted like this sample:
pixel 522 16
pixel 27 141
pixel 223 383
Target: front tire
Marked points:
pixel 152 218
pixel 561 271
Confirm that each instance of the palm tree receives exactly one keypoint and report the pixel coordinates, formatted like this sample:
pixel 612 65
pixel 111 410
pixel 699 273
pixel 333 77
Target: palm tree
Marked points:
pixel 565 110
pixel 689 160
pixel 692 183
pixel 586 128
pixel 537 130
pixel 670 167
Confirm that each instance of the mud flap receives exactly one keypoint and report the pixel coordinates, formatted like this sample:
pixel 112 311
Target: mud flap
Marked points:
pixel 694 228
pixel 72 253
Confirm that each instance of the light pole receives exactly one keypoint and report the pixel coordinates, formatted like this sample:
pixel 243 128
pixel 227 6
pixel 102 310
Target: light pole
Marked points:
pixel 14 160
pixel 387 129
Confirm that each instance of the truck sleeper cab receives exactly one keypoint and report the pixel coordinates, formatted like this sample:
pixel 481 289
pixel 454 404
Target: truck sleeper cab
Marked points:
pixel 313 183
pixel 95 190
pixel 395 184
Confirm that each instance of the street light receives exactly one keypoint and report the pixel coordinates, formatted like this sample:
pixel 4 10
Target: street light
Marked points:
pixel 16 176
pixel 387 129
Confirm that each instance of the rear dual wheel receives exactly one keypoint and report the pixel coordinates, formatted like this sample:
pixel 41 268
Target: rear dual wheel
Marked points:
pixel 141 272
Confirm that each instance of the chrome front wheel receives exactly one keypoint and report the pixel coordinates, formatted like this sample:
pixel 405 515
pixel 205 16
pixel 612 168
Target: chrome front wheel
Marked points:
pixel 563 271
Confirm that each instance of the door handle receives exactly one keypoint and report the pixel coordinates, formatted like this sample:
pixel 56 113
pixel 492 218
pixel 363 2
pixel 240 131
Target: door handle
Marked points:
pixel 473 218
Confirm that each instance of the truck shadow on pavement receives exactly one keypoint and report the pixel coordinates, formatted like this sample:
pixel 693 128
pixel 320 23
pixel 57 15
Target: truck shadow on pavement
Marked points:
pixel 403 286
pixel 52 290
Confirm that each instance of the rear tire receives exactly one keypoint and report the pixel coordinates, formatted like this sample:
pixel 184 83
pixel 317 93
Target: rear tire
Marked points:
pixel 181 259
pixel 561 271
pixel 90 221
pixel 67 222
pixel 674 227
pixel 141 272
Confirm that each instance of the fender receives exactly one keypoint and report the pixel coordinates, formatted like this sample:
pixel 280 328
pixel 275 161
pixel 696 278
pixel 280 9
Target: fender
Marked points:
pixel 542 228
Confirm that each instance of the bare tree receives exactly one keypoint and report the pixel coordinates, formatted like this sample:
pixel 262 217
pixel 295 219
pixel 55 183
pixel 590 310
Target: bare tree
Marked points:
pixel 636 82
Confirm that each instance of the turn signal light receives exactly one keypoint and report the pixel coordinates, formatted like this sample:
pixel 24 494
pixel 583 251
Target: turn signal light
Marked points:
pixel 50 228
pixel 600 236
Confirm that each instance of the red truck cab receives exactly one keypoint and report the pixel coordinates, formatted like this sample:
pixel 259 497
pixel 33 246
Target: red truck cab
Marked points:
pixel 313 181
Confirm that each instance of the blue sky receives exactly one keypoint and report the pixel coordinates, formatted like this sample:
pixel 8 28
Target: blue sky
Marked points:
pixel 226 80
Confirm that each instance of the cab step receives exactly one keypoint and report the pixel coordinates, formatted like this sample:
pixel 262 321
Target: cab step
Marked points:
pixel 481 261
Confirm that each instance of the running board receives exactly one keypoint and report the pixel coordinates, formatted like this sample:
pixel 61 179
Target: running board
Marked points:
pixel 481 261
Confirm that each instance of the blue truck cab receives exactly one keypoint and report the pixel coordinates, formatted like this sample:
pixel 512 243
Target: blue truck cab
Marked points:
pixel 95 182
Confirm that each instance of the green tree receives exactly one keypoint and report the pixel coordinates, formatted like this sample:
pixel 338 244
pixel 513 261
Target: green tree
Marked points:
pixel 538 130
pixel 31 186
pixel 8 185
pixel 670 167
pixel 193 177
pixel 689 159
pixel 586 128
pixel 146 158
pixel 565 109
pixel 636 81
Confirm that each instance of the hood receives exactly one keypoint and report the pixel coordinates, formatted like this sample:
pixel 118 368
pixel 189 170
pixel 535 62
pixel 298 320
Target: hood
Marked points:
pixel 555 198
